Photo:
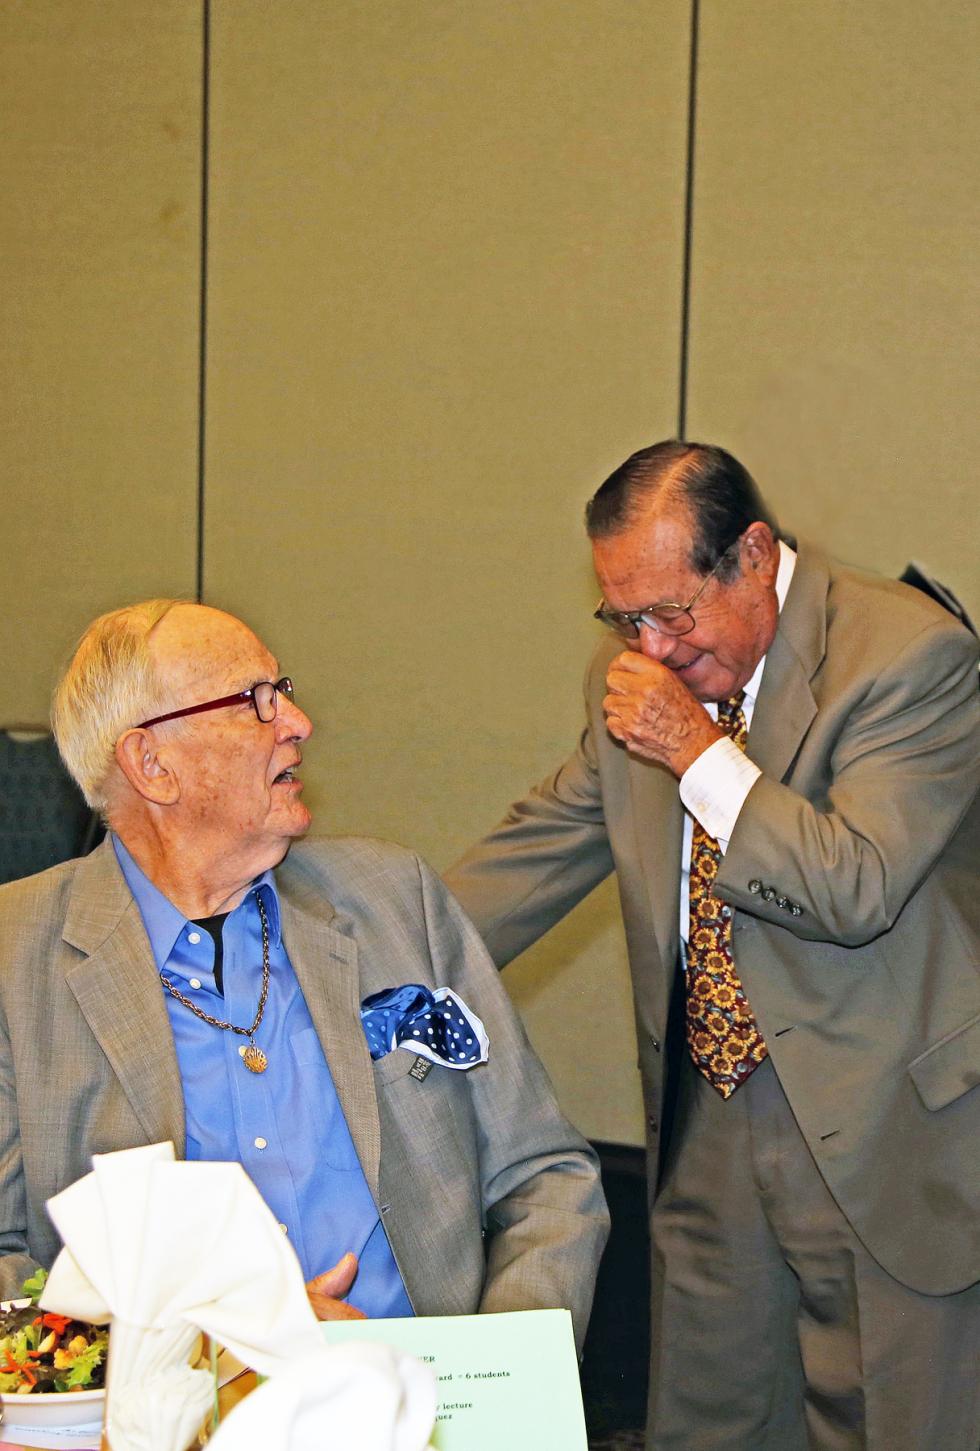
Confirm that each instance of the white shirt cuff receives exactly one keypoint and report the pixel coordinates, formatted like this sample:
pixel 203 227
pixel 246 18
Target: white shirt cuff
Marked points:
pixel 714 788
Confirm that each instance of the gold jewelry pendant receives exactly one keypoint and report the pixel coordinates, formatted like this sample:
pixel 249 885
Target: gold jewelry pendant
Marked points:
pixel 254 1059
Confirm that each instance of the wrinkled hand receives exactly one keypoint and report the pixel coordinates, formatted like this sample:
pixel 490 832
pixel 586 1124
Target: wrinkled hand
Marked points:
pixel 326 1291
pixel 651 710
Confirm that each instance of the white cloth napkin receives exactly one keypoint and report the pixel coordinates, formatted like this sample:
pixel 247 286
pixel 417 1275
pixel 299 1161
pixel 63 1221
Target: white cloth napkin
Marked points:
pixel 365 1396
pixel 167 1248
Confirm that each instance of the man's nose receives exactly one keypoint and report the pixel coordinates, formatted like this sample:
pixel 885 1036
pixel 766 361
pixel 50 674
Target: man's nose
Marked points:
pixel 654 644
pixel 292 724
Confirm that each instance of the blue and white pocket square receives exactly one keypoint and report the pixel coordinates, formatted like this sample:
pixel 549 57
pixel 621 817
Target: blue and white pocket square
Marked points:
pixel 434 1025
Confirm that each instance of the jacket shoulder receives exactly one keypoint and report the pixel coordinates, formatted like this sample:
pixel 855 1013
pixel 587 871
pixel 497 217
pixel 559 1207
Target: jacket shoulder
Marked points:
pixel 350 873
pixel 37 898
pixel 898 612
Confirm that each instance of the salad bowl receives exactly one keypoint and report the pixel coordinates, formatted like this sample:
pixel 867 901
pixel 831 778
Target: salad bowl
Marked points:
pixel 55 1410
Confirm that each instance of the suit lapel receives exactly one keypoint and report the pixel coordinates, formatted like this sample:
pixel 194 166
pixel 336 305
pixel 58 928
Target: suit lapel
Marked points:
pixel 785 706
pixel 325 963
pixel 658 825
pixel 118 990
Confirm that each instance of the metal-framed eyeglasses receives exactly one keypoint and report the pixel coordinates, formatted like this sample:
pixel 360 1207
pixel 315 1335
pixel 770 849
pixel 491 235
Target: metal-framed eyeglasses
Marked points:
pixel 264 696
pixel 667 618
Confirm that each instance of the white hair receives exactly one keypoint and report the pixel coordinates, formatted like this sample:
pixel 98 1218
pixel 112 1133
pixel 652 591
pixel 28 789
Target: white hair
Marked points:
pixel 109 685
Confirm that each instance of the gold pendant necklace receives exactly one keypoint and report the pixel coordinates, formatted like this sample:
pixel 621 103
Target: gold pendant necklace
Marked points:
pixel 253 1057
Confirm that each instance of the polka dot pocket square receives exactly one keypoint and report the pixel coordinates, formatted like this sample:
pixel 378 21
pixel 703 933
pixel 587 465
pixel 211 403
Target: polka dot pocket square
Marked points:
pixel 435 1025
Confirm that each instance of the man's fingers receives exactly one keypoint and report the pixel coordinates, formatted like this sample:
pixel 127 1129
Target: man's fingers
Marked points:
pixel 635 663
pixel 325 1307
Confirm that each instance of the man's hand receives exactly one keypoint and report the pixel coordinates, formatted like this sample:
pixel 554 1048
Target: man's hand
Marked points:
pixel 651 710
pixel 326 1291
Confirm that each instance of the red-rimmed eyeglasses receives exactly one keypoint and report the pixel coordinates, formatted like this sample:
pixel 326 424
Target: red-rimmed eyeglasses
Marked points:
pixel 264 697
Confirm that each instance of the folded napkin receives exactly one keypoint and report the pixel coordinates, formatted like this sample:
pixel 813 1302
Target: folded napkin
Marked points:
pixel 436 1025
pixel 168 1249
pixel 367 1396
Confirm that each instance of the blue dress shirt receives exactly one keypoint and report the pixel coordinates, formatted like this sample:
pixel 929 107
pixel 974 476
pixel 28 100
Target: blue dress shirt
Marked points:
pixel 284 1126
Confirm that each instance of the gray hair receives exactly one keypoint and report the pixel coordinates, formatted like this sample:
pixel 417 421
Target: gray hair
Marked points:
pixel 109 685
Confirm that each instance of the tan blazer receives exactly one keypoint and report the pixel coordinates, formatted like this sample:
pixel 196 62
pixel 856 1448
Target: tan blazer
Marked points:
pixel 853 869
pixel 87 1065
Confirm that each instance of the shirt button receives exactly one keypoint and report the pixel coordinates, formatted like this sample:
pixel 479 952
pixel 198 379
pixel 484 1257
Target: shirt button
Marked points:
pixel 284 1228
pixel 261 1143
pixel 195 982
pixel 194 937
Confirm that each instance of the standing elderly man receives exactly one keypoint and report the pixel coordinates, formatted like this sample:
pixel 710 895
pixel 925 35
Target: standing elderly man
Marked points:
pixel 780 763
pixel 187 982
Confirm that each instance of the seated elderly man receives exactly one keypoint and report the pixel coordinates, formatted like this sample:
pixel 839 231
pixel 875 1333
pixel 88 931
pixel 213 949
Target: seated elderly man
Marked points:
pixel 189 982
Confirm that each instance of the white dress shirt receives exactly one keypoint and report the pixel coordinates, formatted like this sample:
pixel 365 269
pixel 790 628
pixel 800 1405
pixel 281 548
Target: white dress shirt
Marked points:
pixel 713 789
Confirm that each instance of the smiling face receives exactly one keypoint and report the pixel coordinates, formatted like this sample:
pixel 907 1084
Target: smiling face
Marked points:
pixel 648 562
pixel 239 798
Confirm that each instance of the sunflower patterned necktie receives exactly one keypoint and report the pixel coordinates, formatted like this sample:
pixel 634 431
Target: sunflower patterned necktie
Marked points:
pixel 722 1034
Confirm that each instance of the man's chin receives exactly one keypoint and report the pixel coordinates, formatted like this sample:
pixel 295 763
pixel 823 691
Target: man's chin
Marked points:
pixel 303 822
pixel 294 830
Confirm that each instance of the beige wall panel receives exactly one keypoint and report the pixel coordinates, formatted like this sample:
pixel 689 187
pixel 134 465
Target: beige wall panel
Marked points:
pixel 836 302
pixel 445 292
pixel 100 176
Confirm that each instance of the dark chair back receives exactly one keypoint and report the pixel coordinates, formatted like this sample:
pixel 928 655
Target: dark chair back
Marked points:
pixel 44 818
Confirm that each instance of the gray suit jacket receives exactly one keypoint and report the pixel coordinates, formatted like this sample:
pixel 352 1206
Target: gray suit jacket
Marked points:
pixel 853 869
pixel 473 1170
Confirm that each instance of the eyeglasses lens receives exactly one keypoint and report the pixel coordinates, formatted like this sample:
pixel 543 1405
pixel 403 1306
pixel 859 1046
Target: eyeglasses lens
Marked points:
pixel 265 697
pixel 264 700
pixel 669 620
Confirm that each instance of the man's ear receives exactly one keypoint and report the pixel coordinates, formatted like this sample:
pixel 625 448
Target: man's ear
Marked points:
pixel 760 551
pixel 150 774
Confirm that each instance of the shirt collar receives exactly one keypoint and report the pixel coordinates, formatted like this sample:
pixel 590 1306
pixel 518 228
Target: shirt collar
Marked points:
pixel 784 573
pixel 162 920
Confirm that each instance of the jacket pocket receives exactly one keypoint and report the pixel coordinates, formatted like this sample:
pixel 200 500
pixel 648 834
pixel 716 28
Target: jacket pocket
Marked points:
pixel 949 1068
pixel 394 1065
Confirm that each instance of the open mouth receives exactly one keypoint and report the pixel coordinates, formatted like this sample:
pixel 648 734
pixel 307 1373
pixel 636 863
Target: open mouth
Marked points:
pixel 285 776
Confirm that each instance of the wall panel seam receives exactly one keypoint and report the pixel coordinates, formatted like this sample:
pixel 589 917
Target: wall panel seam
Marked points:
pixel 692 109
pixel 203 303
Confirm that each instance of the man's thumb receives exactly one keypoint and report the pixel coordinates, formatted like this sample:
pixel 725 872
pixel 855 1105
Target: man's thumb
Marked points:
pixel 337 1282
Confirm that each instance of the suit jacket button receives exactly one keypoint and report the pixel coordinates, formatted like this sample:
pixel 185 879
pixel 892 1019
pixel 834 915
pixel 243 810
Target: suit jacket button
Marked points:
pixel 795 909
pixel 652 1123
pixel 768 893
pixel 782 902
pixel 755 885
pixel 655 1043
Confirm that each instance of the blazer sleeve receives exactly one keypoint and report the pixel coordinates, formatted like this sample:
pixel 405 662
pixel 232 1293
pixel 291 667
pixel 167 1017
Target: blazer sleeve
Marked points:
pixel 16 1262
pixel 903 773
pixel 547 853
pixel 543 1207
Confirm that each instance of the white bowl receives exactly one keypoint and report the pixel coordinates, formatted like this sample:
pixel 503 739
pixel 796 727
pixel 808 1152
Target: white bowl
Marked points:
pixel 51 1410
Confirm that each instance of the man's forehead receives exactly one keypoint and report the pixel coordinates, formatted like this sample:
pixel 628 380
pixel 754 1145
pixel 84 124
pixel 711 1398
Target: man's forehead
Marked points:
pixel 198 643
pixel 656 543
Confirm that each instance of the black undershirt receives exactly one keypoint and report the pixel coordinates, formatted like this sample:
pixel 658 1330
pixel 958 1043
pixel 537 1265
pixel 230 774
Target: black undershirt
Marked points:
pixel 213 925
